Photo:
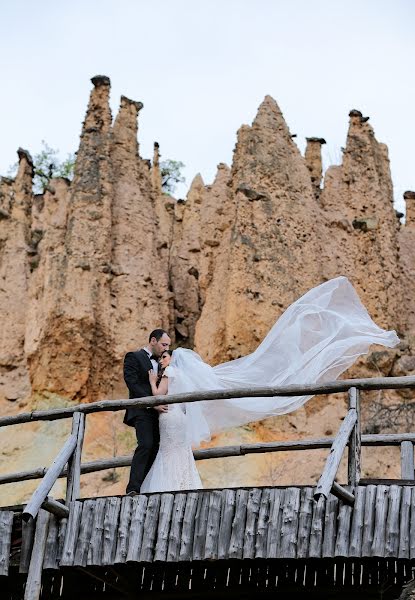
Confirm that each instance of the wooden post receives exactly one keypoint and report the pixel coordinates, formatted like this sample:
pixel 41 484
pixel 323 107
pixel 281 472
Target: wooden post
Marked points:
pixel 354 456
pixel 326 480
pixel 34 577
pixel 56 508
pixel 49 479
pixel 73 485
pixel 407 460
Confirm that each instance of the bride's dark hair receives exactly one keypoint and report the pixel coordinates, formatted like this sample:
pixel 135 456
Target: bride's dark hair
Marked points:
pixel 161 371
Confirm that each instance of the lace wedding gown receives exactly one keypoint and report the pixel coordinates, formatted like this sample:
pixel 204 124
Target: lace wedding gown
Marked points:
pixel 174 467
pixel 316 339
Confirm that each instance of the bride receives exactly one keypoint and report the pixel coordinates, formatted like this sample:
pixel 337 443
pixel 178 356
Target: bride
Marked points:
pixel 315 340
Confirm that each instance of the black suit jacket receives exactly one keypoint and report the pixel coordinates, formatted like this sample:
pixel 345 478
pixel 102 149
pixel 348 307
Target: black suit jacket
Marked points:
pixel 136 367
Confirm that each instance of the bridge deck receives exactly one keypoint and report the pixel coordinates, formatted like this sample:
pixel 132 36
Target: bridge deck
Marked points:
pixel 248 523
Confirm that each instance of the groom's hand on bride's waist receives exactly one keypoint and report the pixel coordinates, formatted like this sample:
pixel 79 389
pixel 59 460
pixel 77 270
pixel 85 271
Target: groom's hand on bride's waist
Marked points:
pixel 162 408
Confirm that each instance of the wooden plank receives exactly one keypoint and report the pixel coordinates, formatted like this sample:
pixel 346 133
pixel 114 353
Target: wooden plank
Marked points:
pixel 163 530
pixel 317 528
pixel 381 511
pixel 225 527
pixel 368 521
pixel 199 537
pixel 123 530
pixel 28 536
pixel 40 494
pixel 354 454
pixel 252 511
pixel 304 521
pixel 343 385
pixel 356 530
pixel 405 516
pixel 393 522
pixel 238 525
pixel 274 525
pixel 186 546
pixel 213 525
pixel 84 535
pixel 326 480
pixel 50 560
pixel 343 530
pixel 330 529
pixel 62 526
pixel 179 506
pixel 95 545
pixel 69 546
pixel 289 524
pixel 34 576
pixel 138 516
pixel 73 485
pixel 6 524
pixel 150 528
pixel 407 460
pixel 56 508
pixel 111 514
pixel 262 526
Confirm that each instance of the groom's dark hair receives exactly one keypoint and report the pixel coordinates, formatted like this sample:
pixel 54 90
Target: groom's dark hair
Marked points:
pixel 157 333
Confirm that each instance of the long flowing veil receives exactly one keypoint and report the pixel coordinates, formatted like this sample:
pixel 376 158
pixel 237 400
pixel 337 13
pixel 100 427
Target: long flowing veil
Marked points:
pixel 317 338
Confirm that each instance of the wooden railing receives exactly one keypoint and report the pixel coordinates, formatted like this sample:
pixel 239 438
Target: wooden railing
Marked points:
pixel 68 462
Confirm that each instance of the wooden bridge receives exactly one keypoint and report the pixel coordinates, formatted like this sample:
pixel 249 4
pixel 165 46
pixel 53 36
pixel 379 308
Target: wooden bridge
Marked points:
pixel 326 541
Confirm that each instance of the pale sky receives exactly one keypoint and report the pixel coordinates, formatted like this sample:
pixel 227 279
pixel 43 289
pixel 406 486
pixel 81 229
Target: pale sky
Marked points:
pixel 202 67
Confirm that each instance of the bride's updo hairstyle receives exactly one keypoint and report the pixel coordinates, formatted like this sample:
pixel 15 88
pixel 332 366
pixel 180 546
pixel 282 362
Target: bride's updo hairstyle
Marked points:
pixel 161 371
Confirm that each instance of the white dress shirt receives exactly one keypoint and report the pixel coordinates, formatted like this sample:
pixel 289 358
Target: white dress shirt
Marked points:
pixel 153 360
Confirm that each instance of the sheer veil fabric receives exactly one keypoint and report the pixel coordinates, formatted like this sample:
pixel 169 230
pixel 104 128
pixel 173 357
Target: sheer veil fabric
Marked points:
pixel 316 339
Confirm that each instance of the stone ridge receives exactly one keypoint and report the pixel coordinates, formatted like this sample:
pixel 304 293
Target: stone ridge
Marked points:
pixel 90 266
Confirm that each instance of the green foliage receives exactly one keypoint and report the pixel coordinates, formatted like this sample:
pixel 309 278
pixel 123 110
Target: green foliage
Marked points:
pixel 47 165
pixel 171 175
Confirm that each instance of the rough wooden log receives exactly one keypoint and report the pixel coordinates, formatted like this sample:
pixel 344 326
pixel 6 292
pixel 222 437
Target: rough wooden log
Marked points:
pixel 138 513
pixel 71 537
pixel 304 522
pixel 179 506
pixel 407 460
pixel 412 527
pixel 95 546
pixel 150 529
pixel 50 560
pixel 393 522
pixel 186 546
pixel 34 577
pixel 219 452
pixel 368 521
pixel 56 508
pixel 238 525
pixel 356 530
pixel 109 545
pixel 381 510
pixel 28 536
pixel 73 484
pixel 405 515
pixel 330 522
pixel 317 528
pixel 163 529
pixel 84 535
pixel 213 525
pixel 354 454
pixel 49 479
pixel 326 480
pixel 199 536
pixel 123 530
pixel 225 528
pixel 375 383
pixel 262 526
pixel 341 548
pixel 6 524
pixel 274 525
pixel 342 493
pixel 289 524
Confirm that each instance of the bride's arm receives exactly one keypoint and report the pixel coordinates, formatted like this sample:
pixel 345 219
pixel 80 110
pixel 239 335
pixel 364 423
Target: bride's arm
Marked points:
pixel 162 389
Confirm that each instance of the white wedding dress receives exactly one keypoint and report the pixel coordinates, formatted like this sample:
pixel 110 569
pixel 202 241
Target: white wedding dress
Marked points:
pixel 315 340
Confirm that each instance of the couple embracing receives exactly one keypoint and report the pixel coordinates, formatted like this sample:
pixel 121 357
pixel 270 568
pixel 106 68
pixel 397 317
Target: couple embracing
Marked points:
pixel 163 459
pixel 316 339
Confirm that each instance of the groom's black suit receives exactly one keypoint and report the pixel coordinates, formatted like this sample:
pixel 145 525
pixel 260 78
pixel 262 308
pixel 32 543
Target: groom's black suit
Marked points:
pixel 145 420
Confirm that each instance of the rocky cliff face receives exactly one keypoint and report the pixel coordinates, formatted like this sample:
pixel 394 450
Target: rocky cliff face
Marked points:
pixel 89 267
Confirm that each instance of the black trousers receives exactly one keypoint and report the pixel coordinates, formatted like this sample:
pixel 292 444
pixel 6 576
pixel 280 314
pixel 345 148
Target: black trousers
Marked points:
pixel 148 439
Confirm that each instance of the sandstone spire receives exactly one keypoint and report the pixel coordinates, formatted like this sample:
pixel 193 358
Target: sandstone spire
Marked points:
pixel 314 162
pixel 409 198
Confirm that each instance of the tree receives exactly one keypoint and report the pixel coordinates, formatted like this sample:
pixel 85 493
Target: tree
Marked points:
pixel 46 165
pixel 171 175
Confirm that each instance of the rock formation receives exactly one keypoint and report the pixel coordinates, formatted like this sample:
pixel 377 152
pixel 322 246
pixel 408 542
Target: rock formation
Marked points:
pixel 90 265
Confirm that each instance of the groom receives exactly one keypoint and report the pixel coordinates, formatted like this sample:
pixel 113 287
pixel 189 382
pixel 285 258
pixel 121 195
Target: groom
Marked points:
pixel 145 420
